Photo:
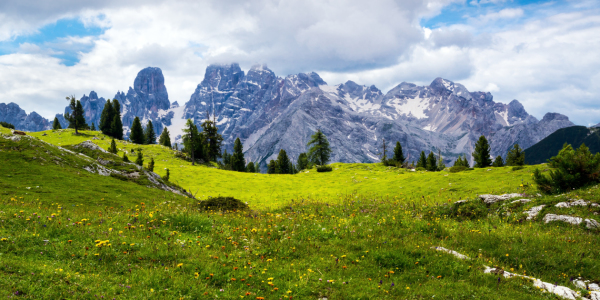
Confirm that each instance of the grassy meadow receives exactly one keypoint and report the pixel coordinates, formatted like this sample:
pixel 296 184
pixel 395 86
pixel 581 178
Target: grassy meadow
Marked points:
pixel 363 231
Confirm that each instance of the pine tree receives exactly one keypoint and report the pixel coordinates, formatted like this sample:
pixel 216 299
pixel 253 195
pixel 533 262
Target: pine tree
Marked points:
pixel 140 158
pixel 149 135
pixel 151 164
pixel 226 160
pixel 56 124
pixel 106 119
pixel 292 168
pixel 398 155
pixel 113 147
pixel 498 162
pixel 283 161
pixel 166 178
pixel 272 167
pixel 303 162
pixel 481 155
pixel 431 162
pixel 137 133
pixel 250 168
pixel 75 118
pixel 212 138
pixel 516 156
pixel 116 126
pixel 125 158
pixel 440 164
pixel 192 140
pixel 320 151
pixel 422 162
pixel 93 128
pixel 238 162
pixel 164 138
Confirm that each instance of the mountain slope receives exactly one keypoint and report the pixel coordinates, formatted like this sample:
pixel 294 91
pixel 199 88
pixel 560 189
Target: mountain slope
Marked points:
pixel 15 115
pixel 551 145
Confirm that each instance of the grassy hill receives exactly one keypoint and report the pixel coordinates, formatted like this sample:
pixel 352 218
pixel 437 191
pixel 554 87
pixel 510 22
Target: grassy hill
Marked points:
pixel 575 136
pixel 362 231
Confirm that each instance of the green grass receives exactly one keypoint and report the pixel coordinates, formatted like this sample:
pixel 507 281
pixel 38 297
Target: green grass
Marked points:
pixel 307 236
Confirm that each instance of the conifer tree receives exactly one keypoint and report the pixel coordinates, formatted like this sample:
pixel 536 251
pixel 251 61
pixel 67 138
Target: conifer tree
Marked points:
pixel 137 133
pixel 56 124
pixel 238 162
pixel 303 162
pixel 93 128
pixel 106 119
pixel 166 178
pixel 272 167
pixel 481 155
pixel 498 162
pixel 422 162
pixel 516 156
pixel 192 140
pixel 283 161
pixel 149 134
pixel 212 138
pixel 116 126
pixel 140 158
pixel 226 160
pixel 431 162
pixel 398 155
pixel 320 151
pixel 250 168
pixel 151 164
pixel 440 162
pixel 164 138
pixel 75 118
pixel 113 147
pixel 125 158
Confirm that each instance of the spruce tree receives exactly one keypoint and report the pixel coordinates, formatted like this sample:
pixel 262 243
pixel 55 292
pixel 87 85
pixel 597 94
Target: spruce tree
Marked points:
pixel 125 158
pixel 166 177
pixel 238 162
pixel 93 128
pixel 422 162
pixel 498 162
pixel 440 162
pixel 137 133
pixel 151 164
pixel 431 162
pixel 212 138
pixel 516 156
pixel 283 161
pixel 116 126
pixel 320 151
pixel 303 162
pixel 149 134
pixel 56 124
pixel 164 138
pixel 75 118
pixel 272 167
pixel 106 119
pixel 481 155
pixel 140 158
pixel 250 168
pixel 398 155
pixel 113 147
pixel 191 140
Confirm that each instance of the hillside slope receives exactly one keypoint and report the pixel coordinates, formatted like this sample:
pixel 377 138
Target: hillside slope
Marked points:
pixel 574 135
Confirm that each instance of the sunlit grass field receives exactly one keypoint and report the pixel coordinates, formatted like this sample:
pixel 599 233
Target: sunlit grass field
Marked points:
pixel 363 231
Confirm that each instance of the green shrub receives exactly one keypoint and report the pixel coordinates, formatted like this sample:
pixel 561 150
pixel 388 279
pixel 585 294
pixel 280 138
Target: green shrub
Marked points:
pixel 456 169
pixel 469 210
pixel 420 169
pixel 7 125
pixel 324 169
pixel 223 204
pixel 516 168
pixel 572 169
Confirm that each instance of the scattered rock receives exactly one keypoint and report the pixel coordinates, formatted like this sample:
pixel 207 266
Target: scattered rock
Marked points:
pixel 589 223
pixel 458 255
pixel 95 138
pixel 89 145
pixel 561 291
pixel 460 201
pixel 521 200
pixel 576 203
pixel 489 199
pixel 533 212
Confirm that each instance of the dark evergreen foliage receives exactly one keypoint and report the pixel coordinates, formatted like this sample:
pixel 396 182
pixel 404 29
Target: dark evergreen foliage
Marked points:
pixel 116 126
pixel 140 158
pixel 461 162
pixel 324 169
pixel 56 124
pixel 192 141
pixel 223 204
pixel 164 138
pixel 238 162
pixel 272 167
pixel 106 119
pixel 166 177
pixel 283 161
pixel 75 118
pixel 552 144
pixel 113 147
pixel 431 162
pixel 213 139
pixel 125 158
pixel 250 168
pixel 571 169
pixel 516 156
pixel 137 133
pixel 93 128
pixel 498 162
pixel 149 134
pixel 481 155
pixel 320 151
pixel 11 126
pixel 422 162
pixel 303 162
pixel 398 154
pixel 151 164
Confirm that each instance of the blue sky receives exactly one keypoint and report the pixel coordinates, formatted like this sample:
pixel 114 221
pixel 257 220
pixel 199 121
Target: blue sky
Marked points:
pixel 542 53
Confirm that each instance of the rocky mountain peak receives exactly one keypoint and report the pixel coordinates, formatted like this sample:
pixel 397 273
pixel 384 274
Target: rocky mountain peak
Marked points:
pixel 222 77
pixel 14 114
pixel 548 117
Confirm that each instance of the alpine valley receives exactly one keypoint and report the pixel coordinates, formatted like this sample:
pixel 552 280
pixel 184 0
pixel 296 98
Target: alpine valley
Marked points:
pixel 269 113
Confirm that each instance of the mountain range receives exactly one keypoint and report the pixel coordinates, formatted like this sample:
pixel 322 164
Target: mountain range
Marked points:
pixel 269 113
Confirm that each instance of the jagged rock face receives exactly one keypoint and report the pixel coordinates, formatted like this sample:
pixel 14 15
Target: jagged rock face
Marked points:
pixel 148 100
pixel 14 114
